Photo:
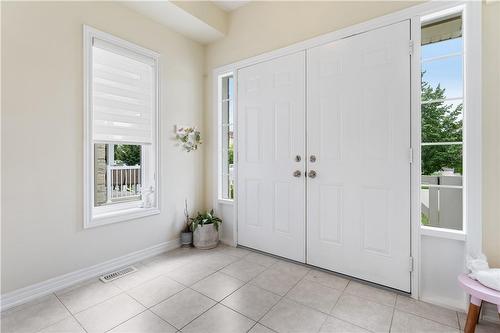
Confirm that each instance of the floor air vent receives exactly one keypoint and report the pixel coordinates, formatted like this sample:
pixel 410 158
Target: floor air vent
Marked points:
pixel 118 274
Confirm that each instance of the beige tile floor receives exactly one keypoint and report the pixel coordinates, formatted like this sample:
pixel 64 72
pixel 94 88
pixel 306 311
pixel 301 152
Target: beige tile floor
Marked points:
pixel 229 290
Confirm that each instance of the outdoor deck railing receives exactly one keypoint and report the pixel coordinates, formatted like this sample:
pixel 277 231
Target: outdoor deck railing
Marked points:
pixel 441 201
pixel 125 182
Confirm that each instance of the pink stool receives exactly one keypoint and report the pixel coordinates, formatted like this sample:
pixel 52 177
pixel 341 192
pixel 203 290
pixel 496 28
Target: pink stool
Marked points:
pixel 478 293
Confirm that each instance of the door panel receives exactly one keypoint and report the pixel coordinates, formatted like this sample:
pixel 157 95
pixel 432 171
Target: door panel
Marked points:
pixel 358 125
pixel 271 132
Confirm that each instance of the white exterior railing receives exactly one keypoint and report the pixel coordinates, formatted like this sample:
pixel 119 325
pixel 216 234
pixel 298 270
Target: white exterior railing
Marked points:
pixel 125 182
pixel 442 201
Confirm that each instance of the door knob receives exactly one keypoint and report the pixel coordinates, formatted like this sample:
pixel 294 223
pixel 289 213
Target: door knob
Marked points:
pixel 297 173
pixel 312 174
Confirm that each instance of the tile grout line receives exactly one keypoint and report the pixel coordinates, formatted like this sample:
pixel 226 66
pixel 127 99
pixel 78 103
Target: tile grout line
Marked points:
pixel 125 292
pixel 146 308
pixel 254 324
pixel 185 287
pixel 420 316
pixel 121 291
pixel 285 295
pixel 149 265
pixel 426 318
pixel 91 306
pixel 198 316
pixel 222 253
pixel 112 328
pixel 392 317
pixel 189 287
pixel 333 306
pixel 216 302
pixel 246 283
pixel 163 320
pixel 220 302
pixel 353 324
pixel 70 313
pixel 346 321
pixel 281 298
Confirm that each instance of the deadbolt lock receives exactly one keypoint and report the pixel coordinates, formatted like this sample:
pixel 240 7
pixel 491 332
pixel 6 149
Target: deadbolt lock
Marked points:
pixel 297 158
pixel 312 158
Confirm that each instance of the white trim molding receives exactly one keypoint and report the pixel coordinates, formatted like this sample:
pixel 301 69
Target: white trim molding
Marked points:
pixel 473 126
pixel 443 233
pixel 34 291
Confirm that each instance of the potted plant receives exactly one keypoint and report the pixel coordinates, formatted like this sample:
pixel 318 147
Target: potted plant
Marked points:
pixel 205 230
pixel 186 234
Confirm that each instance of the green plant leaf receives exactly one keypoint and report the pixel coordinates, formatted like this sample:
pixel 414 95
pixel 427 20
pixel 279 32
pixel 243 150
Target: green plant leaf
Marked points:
pixel 205 218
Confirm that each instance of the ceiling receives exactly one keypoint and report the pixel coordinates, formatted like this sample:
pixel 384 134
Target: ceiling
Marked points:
pixel 229 6
pixel 174 17
pixel 187 17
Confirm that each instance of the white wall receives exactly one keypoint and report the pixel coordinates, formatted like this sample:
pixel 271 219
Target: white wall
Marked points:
pixel 491 132
pixel 442 260
pixel 42 138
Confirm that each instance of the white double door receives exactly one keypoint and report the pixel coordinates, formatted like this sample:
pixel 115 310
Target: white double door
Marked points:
pixel 324 158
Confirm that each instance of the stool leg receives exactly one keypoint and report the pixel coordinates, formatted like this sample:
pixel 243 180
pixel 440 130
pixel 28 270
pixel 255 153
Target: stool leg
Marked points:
pixel 472 316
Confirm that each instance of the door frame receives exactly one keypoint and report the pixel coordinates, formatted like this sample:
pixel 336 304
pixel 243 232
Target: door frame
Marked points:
pixel 472 233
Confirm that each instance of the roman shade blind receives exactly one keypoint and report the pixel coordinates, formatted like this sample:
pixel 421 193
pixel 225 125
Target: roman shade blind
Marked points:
pixel 441 30
pixel 123 94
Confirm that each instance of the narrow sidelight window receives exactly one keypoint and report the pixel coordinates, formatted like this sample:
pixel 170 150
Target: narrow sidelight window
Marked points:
pixel 442 114
pixel 226 137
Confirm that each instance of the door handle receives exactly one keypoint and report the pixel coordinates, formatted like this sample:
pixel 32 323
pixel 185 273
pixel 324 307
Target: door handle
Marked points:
pixel 297 173
pixel 312 174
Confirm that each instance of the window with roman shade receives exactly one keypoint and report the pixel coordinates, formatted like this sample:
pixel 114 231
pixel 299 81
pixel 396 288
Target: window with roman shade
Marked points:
pixel 121 116
pixel 123 94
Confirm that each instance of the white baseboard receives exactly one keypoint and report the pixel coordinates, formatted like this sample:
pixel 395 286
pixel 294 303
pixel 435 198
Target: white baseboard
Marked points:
pixel 452 304
pixel 228 242
pixel 26 294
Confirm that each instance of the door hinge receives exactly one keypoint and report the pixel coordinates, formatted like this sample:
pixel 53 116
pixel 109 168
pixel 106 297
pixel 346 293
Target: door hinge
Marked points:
pixel 410 49
pixel 410 264
pixel 410 155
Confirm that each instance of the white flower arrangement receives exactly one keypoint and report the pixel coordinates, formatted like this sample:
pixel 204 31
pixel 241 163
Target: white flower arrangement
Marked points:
pixel 189 138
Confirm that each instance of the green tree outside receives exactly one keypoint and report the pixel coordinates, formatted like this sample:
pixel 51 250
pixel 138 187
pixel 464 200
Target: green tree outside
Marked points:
pixel 128 154
pixel 441 122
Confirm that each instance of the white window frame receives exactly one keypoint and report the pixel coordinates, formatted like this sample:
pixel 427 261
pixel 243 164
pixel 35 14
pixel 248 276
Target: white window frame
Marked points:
pixel 471 141
pixel 97 216
pixel 220 153
pixel 430 230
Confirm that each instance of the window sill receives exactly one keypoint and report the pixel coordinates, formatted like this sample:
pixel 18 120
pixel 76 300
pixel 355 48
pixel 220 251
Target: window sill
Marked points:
pixel 459 235
pixel 120 216
pixel 226 201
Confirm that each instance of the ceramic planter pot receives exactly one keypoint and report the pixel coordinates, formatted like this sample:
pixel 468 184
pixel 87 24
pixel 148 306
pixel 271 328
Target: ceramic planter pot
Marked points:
pixel 186 238
pixel 205 237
